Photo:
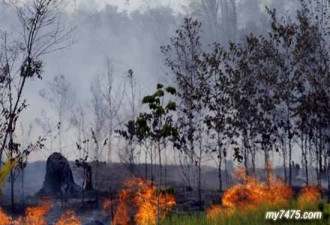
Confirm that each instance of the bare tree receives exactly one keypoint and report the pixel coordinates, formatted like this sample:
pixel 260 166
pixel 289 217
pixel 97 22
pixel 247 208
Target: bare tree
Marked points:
pixel 218 16
pixel 131 149
pixel 60 95
pixel 48 128
pixel 113 92
pixel 41 33
pixel 99 115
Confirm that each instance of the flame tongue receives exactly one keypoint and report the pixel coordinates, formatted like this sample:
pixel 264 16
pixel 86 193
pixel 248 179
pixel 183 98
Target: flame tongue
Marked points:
pixel 251 194
pixel 141 201
pixel 4 219
pixel 35 215
pixel 309 195
pixel 69 218
pixel 254 192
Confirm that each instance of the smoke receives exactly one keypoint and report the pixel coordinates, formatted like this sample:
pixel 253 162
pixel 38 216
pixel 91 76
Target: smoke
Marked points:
pixel 129 33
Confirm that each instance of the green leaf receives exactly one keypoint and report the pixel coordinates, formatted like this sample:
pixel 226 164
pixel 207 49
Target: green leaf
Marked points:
pixel 159 93
pixel 141 122
pixel 160 111
pixel 152 106
pixel 148 99
pixel 160 86
pixel 166 131
pixel 171 106
pixel 171 90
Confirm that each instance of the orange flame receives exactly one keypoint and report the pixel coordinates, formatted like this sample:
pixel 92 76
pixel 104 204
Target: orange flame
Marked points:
pixel 251 194
pixel 255 192
pixel 308 195
pixel 69 218
pixel 122 212
pixel 141 201
pixel 216 211
pixel 4 219
pixel 36 216
pixel 33 215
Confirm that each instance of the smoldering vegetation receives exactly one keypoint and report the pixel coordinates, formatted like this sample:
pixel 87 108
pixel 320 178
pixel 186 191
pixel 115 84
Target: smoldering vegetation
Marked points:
pixel 215 109
pixel 113 176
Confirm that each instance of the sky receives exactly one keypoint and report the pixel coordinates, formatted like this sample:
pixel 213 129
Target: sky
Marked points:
pixel 130 34
pixel 131 5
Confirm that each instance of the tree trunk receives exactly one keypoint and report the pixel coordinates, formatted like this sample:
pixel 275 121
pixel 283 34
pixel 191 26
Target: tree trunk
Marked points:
pixel 304 155
pixel 23 192
pixel 328 173
pixel 200 184
pixel 160 183
pixel 320 157
pixel 12 178
pixel 284 151
pixel 290 158
pixel 219 172
pixel 12 190
pixel 146 165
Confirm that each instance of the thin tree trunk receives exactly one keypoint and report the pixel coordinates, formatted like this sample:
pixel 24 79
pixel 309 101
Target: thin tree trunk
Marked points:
pixel 284 151
pixel 146 165
pixel 200 173
pixel 220 161
pixel 12 190
pixel 290 158
pixel 320 157
pixel 160 182
pixel 200 184
pixel 304 155
pixel 219 172
pixel 328 174
pixel 23 192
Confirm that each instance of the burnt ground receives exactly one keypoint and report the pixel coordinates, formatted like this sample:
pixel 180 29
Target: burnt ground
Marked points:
pixel 91 210
pixel 108 182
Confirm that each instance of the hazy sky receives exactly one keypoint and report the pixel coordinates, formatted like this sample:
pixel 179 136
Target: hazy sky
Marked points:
pixel 131 4
pixel 105 30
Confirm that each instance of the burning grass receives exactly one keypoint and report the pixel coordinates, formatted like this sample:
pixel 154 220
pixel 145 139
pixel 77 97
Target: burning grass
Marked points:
pixel 309 195
pixel 247 203
pixel 251 192
pixel 252 195
pixel 69 218
pixel 251 210
pixel 36 216
pixel 140 202
pixel 255 217
pixel 33 216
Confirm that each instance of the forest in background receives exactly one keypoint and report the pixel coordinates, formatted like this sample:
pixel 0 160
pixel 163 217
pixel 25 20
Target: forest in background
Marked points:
pixel 258 99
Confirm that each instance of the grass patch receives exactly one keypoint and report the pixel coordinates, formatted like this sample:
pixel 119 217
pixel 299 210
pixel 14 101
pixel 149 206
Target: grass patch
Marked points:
pixel 255 216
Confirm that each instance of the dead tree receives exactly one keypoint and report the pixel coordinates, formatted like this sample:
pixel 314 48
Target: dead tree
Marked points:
pixel 42 32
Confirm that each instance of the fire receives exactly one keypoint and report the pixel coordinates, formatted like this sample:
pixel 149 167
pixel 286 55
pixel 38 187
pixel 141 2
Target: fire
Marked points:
pixel 36 216
pixel 216 211
pixel 141 201
pixel 123 208
pixel 252 193
pixel 255 192
pixel 33 215
pixel 69 218
pixel 4 219
pixel 308 195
